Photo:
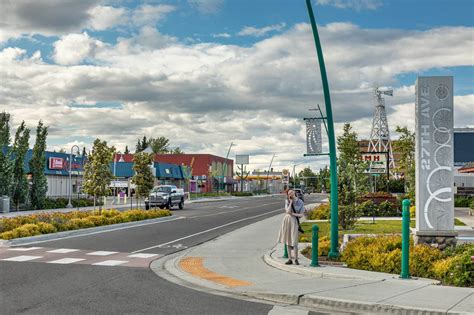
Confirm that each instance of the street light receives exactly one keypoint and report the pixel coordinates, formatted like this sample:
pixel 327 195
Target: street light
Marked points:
pixel 294 173
pixel 69 204
pixel 225 163
pixel 269 167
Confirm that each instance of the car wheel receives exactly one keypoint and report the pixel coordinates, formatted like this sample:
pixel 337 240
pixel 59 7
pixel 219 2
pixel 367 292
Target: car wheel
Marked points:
pixel 162 207
pixel 169 204
pixel 147 206
pixel 181 205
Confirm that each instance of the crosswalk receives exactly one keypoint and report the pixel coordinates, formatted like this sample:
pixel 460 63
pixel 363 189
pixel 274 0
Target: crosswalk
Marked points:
pixel 68 256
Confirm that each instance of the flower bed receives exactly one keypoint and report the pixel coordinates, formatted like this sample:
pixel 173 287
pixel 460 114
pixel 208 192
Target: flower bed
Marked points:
pixel 45 223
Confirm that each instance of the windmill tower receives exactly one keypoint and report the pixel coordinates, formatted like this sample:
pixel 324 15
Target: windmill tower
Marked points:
pixel 380 134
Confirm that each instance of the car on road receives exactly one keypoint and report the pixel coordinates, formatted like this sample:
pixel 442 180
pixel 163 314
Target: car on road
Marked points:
pixel 165 196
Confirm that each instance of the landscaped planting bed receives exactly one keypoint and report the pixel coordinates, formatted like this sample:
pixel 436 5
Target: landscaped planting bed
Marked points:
pixel 46 223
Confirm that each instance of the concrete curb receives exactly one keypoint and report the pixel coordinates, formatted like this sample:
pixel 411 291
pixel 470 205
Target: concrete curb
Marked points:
pixel 83 232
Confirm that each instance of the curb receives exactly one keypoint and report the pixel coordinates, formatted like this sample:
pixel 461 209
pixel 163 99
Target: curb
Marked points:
pixel 83 232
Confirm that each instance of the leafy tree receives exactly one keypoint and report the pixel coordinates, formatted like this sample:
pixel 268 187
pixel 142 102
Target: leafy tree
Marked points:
pixel 405 146
pixel 307 172
pixel 97 173
pixel 6 165
pixel 177 150
pixel 39 185
pixel 351 178
pixel 84 151
pixel 127 151
pixel 159 145
pixel 324 179
pixel 143 178
pixel 20 148
pixel 141 144
pixel 62 150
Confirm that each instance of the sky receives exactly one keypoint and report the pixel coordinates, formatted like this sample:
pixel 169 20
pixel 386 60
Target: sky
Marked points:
pixel 205 73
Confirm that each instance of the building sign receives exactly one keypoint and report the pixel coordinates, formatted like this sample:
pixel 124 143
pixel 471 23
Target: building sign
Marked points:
pixel 434 154
pixel 313 136
pixel 242 159
pixel 286 177
pixel 376 162
pixel 56 163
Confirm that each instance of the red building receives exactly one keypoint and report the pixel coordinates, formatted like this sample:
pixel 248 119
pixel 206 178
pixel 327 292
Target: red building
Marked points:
pixel 208 171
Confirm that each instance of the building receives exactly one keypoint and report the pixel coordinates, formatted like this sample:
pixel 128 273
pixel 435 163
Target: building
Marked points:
pixel 464 160
pixel 205 172
pixel 261 180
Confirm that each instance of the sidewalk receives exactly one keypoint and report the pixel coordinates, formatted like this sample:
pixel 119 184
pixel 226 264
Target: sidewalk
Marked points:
pixel 14 213
pixel 238 264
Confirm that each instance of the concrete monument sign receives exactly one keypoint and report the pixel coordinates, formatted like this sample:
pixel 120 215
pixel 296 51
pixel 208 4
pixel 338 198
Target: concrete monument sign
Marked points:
pixel 434 161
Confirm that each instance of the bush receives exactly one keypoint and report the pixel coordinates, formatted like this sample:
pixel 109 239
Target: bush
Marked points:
pixel 412 211
pixel 422 258
pixel 388 209
pixel 367 208
pixel 324 247
pixel 462 201
pixel 348 216
pixel 321 212
pixel 242 194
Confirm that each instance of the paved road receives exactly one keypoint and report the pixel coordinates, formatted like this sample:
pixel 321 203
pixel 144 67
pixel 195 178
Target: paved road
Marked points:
pixel 98 273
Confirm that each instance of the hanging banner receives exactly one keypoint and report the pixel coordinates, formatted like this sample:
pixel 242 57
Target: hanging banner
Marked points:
pixel 313 136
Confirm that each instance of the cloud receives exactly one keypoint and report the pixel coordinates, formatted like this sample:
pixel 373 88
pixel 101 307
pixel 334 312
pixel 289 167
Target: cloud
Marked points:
pixel 259 32
pixel 352 4
pixel 46 17
pixel 222 35
pixel 207 6
pixel 204 95
pixel 72 49
pixel 149 14
pixel 104 17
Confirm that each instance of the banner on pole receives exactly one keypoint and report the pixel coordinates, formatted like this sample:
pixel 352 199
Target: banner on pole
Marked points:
pixel 313 136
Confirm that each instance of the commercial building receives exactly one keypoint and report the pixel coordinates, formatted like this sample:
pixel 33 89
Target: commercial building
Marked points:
pixel 463 160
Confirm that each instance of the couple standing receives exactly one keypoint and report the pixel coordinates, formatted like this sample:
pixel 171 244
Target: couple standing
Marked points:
pixel 288 235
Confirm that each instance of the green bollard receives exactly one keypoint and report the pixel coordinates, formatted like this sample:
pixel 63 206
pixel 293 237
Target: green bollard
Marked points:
pixel 405 274
pixel 315 247
pixel 285 253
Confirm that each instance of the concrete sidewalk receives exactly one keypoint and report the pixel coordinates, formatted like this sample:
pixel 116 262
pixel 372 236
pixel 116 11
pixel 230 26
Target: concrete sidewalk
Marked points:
pixel 122 206
pixel 247 264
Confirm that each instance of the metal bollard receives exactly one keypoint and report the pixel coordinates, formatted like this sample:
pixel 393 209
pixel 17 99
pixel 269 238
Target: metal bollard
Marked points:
pixel 405 274
pixel 315 247
pixel 285 253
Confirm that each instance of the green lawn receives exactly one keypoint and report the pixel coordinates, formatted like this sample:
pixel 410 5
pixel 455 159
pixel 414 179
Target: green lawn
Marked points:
pixel 361 227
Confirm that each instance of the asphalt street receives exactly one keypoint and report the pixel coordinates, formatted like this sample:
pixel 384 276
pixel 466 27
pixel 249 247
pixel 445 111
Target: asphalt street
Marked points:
pixel 44 288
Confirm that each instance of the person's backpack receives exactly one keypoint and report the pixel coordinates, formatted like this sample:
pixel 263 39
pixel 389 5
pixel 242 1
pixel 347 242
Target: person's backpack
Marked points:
pixel 297 219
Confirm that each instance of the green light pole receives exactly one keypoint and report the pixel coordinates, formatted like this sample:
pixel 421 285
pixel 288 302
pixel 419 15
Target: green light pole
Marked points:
pixel 334 251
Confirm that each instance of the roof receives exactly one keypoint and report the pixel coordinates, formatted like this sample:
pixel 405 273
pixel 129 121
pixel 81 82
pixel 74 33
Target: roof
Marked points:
pixel 468 168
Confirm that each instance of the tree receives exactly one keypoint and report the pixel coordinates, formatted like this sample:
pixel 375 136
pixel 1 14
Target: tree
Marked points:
pixel 405 146
pixel 127 151
pixel 6 165
pixel 242 174
pixel 351 178
pixel 39 185
pixel 159 145
pixel 84 152
pixel 62 150
pixel 141 145
pixel 177 150
pixel 307 172
pixel 97 173
pixel 324 181
pixel 143 178
pixel 20 148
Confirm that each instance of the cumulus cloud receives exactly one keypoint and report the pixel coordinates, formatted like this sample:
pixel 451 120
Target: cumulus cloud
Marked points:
pixel 222 35
pixel 47 17
pixel 150 14
pixel 352 4
pixel 207 6
pixel 202 96
pixel 104 17
pixel 72 49
pixel 259 32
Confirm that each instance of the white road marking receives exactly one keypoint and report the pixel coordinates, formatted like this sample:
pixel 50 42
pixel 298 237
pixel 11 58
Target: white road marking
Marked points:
pixel 101 253
pixel 99 232
pixel 142 255
pixel 65 261
pixel 22 258
pixel 62 251
pixel 287 310
pixel 202 232
pixel 24 249
pixel 110 263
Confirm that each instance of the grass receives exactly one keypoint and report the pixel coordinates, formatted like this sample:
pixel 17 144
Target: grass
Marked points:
pixel 362 227
pixel 458 222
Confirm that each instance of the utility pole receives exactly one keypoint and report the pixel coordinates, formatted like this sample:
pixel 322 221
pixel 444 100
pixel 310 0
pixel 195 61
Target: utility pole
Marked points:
pixel 334 251
pixel 69 204
pixel 269 167
pixel 224 168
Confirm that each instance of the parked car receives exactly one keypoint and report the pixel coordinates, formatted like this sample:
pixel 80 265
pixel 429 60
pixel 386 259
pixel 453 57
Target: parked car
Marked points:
pixel 165 196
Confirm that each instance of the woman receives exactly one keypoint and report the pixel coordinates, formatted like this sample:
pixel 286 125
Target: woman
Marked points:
pixel 288 235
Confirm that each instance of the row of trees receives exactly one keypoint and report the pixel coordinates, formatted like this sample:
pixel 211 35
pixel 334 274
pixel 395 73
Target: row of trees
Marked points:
pixel 13 180
pixel 160 145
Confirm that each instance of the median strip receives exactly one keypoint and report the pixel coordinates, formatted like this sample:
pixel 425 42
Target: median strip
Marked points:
pixel 194 266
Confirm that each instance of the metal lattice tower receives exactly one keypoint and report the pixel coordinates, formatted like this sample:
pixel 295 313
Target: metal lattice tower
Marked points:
pixel 380 134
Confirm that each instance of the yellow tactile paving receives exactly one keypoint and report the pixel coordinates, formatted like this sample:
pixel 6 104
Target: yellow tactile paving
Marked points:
pixel 194 266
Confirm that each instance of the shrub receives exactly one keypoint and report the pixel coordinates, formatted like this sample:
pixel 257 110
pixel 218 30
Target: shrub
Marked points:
pixel 367 208
pixel 46 228
pixel 242 194
pixel 388 209
pixel 348 216
pixel 462 201
pixel 422 258
pixel 412 211
pixel 321 212
pixel 323 247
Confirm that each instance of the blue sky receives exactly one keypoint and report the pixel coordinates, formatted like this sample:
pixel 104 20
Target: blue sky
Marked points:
pixel 201 72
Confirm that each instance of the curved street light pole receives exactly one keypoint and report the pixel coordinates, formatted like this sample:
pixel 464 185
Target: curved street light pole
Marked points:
pixel 269 167
pixel 69 204
pixel 224 168
pixel 334 251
